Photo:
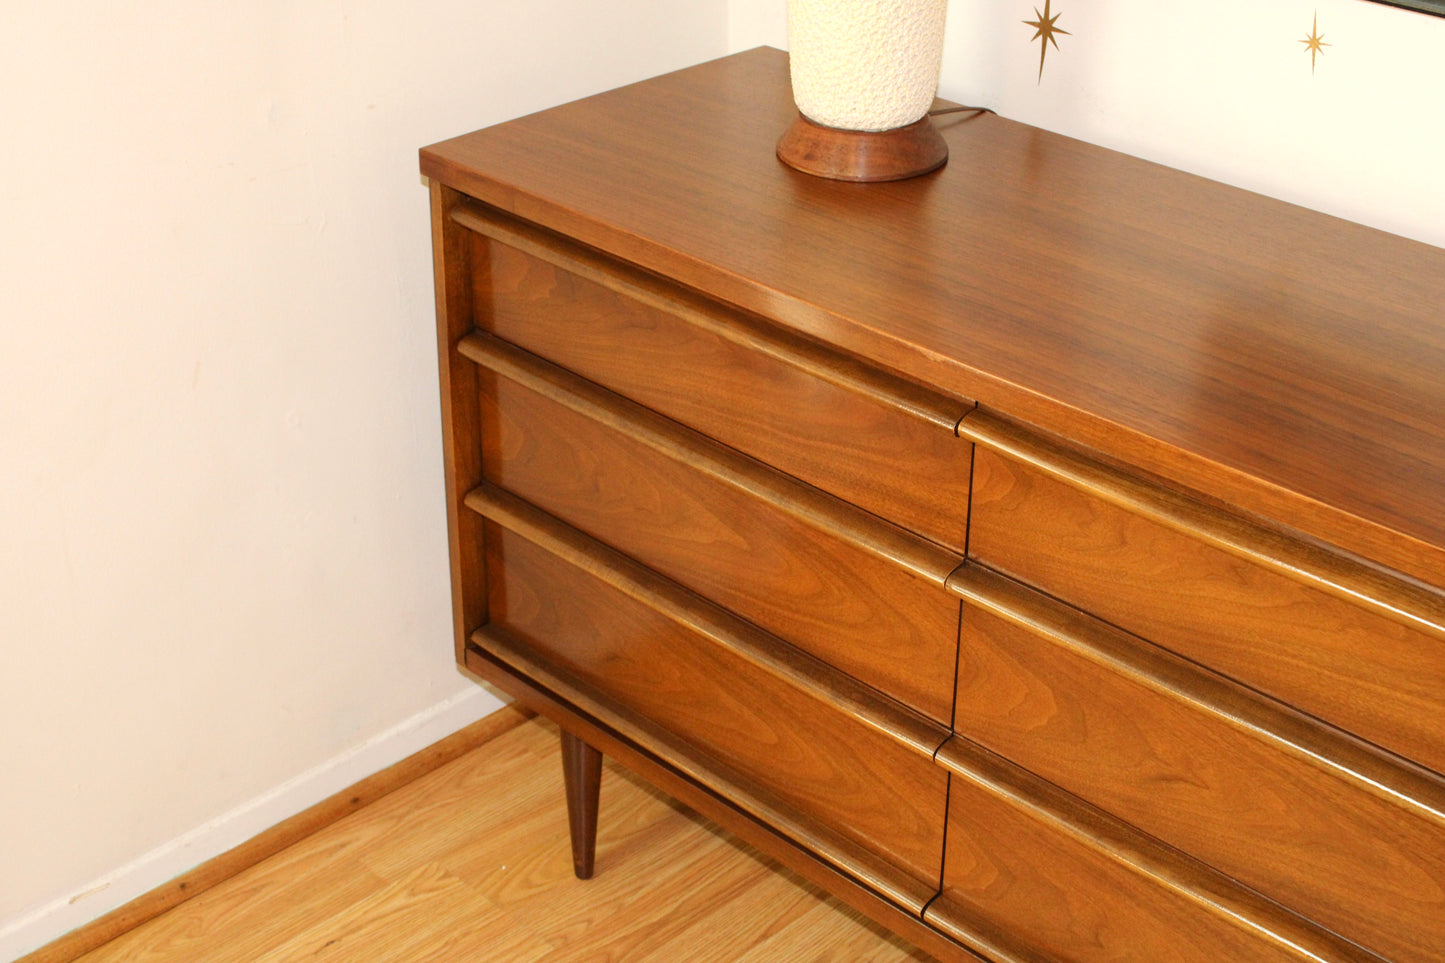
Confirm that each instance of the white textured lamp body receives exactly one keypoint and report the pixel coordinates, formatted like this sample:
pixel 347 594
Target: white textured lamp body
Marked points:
pixel 865 65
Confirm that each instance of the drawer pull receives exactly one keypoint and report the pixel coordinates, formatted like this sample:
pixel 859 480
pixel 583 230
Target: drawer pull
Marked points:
pixel 805 503
pixel 1355 581
pixel 1214 892
pixel 820 362
pixel 1373 770
pixel 791 665
pixel 499 647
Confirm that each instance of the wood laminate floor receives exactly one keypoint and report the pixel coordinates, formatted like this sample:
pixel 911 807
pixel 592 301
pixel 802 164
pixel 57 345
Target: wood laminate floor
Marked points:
pixel 471 863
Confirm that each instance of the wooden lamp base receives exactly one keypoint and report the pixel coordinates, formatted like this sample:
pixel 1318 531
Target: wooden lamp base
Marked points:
pixel 863 155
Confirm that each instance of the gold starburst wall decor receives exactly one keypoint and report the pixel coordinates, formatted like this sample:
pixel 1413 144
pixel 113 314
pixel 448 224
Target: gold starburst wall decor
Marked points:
pixel 1314 43
pixel 1044 32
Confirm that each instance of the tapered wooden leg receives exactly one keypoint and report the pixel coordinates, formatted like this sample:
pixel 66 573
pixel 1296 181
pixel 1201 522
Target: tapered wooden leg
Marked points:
pixel 582 773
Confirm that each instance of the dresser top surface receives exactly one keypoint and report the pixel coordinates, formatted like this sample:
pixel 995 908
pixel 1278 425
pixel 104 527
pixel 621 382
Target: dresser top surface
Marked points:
pixel 1284 360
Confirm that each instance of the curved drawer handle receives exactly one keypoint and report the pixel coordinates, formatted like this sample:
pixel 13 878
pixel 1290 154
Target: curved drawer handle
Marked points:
pixel 1352 579
pixel 1371 769
pixel 731 324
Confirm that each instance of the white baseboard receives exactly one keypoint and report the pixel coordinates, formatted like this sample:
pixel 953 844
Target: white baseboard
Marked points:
pixel 34 929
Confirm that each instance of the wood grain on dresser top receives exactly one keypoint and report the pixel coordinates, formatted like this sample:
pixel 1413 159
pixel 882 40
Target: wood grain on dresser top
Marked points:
pixel 1283 361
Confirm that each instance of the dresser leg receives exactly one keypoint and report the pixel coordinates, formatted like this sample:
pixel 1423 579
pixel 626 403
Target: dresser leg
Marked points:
pixel 582 773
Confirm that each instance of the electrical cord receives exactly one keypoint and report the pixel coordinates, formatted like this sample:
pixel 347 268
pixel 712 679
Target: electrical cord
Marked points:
pixel 957 110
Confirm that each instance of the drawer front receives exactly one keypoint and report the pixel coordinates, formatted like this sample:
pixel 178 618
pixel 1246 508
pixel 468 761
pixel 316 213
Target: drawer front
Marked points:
pixel 1062 899
pixel 855 610
pixel 1363 865
pixel 901 465
pixel 1351 667
pixel 819 762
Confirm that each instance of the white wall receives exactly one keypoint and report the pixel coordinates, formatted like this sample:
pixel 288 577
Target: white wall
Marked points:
pixel 222 547
pixel 1222 88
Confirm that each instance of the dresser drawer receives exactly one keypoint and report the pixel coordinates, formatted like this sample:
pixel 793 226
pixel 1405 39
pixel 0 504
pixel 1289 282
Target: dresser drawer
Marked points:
pixel 1348 663
pixel 1029 875
pixel 751 734
pixel 761 558
pixel 871 439
pixel 1292 808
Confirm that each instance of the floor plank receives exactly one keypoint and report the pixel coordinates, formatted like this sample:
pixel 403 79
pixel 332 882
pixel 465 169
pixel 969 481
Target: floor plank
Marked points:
pixel 471 862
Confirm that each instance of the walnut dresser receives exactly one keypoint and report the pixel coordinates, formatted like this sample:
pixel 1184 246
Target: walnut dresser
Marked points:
pixel 1045 555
